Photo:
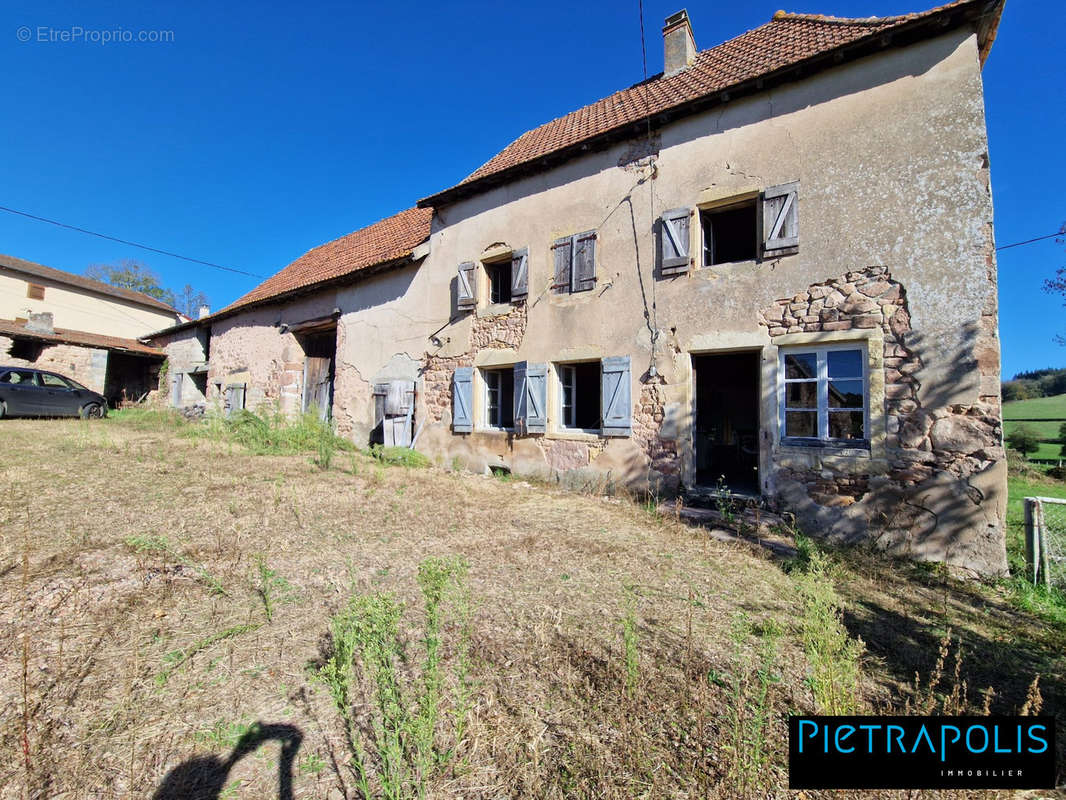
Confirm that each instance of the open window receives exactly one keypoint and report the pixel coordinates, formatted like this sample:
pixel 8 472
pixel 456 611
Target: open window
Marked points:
pixel 499 398
pixel 499 275
pixel 730 233
pixel 594 397
pixel 824 395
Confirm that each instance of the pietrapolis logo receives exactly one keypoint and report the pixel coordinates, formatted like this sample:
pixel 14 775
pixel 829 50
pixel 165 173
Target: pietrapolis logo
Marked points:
pixel 921 752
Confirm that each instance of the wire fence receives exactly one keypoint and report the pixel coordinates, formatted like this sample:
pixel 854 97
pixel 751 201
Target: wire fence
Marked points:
pixel 1045 540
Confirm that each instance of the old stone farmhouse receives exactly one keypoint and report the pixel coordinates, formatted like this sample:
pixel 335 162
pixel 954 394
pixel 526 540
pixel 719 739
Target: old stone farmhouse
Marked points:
pixel 769 268
pixel 79 327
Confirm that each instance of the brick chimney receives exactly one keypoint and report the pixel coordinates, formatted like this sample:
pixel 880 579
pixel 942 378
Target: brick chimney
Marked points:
pixel 40 323
pixel 679 48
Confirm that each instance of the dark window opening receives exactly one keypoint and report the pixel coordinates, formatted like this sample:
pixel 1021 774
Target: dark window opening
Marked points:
pixel 729 234
pixel 499 398
pixel 25 349
pixel 204 335
pixel 580 395
pixel 199 380
pixel 499 281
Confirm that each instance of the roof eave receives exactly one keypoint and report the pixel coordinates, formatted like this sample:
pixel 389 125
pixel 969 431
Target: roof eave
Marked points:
pixel 352 277
pixel 986 15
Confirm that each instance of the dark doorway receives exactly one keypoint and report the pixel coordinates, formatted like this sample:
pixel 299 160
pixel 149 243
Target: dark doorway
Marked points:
pixel 727 420
pixel 129 377
pixel 320 349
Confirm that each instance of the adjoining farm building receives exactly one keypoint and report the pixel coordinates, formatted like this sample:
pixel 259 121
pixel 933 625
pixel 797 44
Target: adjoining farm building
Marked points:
pixel 79 327
pixel 770 267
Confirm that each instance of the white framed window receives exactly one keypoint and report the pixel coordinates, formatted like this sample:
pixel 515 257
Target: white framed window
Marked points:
pixel 824 394
pixel 580 396
pixel 499 398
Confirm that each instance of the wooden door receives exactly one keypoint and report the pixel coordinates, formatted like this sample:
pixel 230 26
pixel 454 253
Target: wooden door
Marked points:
pixel 318 386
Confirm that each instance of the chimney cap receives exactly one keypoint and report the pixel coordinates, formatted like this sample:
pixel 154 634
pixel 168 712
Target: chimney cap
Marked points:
pixel 675 19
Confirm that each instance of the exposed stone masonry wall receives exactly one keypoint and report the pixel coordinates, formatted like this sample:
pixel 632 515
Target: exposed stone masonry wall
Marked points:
pixel 86 365
pixel 496 331
pixel 647 426
pixel 959 439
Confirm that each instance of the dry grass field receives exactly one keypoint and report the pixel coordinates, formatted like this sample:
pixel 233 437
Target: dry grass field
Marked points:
pixel 172 606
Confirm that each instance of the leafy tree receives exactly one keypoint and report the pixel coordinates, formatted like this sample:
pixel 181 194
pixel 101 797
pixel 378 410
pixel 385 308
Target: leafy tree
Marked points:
pixel 1062 438
pixel 130 273
pixel 1024 439
pixel 1057 284
pixel 189 301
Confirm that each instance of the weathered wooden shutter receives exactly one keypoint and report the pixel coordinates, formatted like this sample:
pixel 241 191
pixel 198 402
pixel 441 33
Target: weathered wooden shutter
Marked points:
pixel 520 274
pixel 234 398
pixel 530 398
pixel 377 436
pixel 462 400
pixel 674 241
pixel 175 390
pixel 467 294
pixel 584 261
pixel 615 398
pixel 780 219
pixel 563 249
pixel 399 413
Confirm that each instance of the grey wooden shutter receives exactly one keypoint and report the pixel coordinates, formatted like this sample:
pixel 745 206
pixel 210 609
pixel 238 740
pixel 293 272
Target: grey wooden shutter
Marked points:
pixel 536 398
pixel 467 294
pixel 530 398
pixel 780 219
pixel 175 390
pixel 520 274
pixel 615 397
pixel 563 250
pixel 463 400
pixel 674 241
pixel 584 277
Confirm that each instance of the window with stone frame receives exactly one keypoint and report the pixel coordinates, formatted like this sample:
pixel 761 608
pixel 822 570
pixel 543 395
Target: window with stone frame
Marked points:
pixel 499 274
pixel 824 395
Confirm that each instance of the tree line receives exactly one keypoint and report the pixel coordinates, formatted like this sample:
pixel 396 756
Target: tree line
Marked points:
pixel 129 273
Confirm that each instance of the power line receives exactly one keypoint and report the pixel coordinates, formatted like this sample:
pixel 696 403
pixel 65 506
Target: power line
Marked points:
pixel 127 242
pixel 1059 232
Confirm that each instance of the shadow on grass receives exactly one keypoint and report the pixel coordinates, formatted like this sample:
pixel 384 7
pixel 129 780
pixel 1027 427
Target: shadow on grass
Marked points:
pixel 204 777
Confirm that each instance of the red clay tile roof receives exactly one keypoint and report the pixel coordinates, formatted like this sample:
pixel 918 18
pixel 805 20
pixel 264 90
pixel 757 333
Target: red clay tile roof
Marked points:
pixel 388 240
pixel 84 338
pixel 784 42
pixel 80 281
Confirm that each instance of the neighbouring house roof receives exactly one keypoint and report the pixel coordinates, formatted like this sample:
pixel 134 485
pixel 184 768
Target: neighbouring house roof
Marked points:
pixel 386 243
pixel 787 48
pixel 81 282
pixel 83 338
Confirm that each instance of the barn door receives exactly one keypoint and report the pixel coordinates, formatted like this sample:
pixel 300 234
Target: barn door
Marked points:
pixel 318 386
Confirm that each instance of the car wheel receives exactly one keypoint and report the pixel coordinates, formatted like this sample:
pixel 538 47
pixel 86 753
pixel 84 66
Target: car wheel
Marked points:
pixel 92 411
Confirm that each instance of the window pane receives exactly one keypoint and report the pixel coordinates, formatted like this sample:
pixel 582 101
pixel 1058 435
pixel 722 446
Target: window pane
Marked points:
pixel 801 395
pixel 844 363
pixel 845 425
pixel 801 365
pixel 54 380
pixel 845 394
pixel 801 423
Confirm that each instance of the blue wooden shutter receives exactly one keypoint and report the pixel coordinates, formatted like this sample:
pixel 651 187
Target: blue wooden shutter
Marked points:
pixel 615 397
pixel 536 398
pixel 463 400
pixel 674 241
pixel 563 250
pixel 520 274
pixel 530 398
pixel 467 294
pixel 584 275
pixel 780 219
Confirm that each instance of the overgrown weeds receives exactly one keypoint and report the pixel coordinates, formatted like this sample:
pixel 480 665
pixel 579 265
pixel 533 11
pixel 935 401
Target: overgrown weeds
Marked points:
pixel 833 654
pixel 398 457
pixel 370 660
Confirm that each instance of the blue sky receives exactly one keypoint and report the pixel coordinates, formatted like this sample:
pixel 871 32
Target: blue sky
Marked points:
pixel 262 130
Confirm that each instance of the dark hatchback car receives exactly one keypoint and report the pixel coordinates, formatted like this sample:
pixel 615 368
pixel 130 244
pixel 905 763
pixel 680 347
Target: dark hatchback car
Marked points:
pixel 28 392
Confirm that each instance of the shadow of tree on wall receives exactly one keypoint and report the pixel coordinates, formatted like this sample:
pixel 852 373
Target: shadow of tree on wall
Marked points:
pixel 203 777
